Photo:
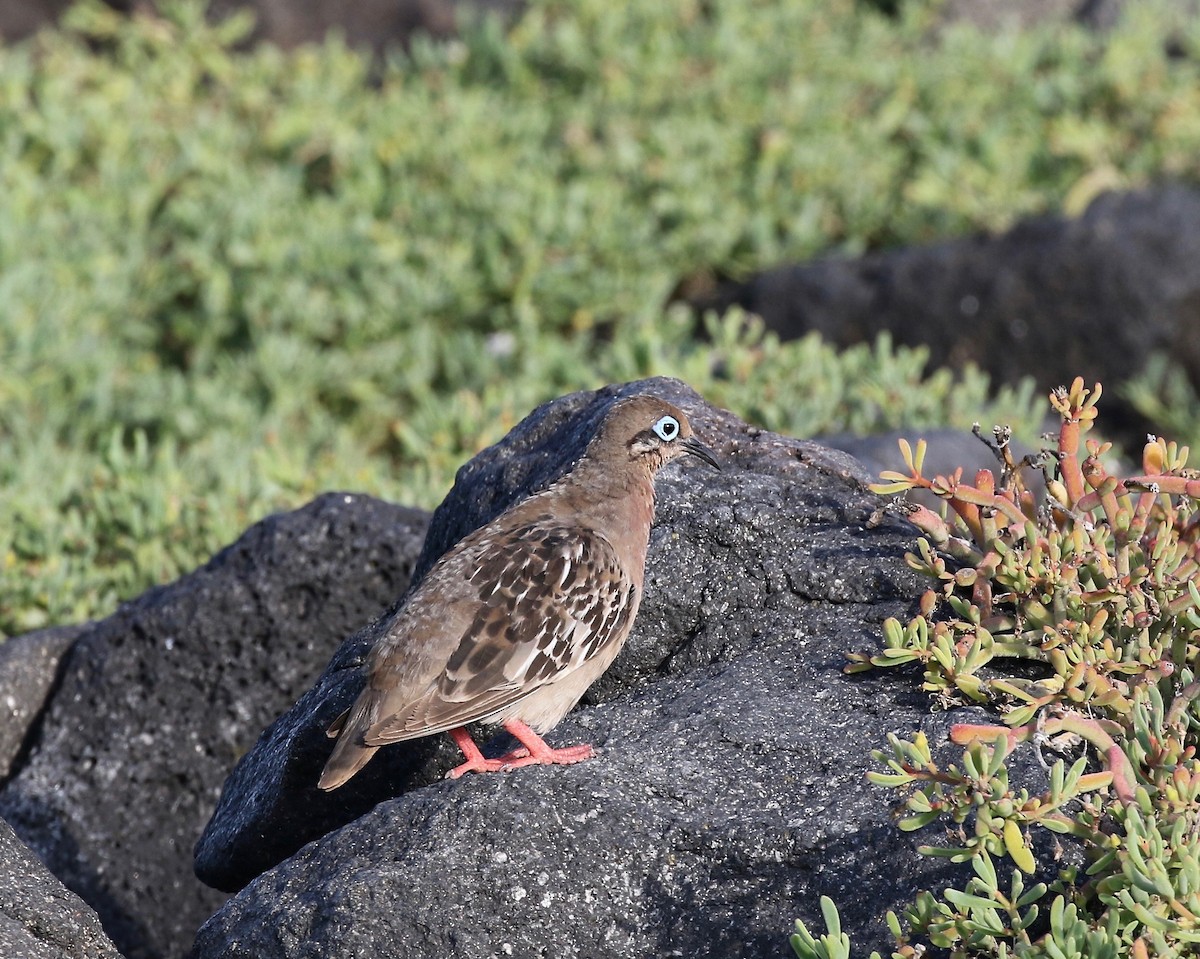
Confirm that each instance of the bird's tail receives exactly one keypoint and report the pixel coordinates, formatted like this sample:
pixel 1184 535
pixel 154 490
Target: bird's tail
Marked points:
pixel 350 754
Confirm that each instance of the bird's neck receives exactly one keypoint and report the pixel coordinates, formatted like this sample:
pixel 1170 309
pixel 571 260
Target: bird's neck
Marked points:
pixel 619 503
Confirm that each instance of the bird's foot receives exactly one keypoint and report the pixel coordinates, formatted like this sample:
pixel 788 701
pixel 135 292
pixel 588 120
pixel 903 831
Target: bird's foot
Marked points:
pixel 479 765
pixel 546 757
pixel 521 757
pixel 475 763
pixel 533 751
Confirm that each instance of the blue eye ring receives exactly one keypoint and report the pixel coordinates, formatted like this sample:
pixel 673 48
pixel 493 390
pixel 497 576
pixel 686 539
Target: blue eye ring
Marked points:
pixel 667 429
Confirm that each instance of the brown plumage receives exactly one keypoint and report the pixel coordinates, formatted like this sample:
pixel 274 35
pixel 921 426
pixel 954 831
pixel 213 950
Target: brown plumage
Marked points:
pixel 515 622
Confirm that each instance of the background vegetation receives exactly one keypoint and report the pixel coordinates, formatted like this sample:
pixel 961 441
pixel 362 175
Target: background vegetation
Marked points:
pixel 232 279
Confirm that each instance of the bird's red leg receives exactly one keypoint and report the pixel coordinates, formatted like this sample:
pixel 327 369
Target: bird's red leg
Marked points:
pixel 535 752
pixel 475 763
pixel 532 752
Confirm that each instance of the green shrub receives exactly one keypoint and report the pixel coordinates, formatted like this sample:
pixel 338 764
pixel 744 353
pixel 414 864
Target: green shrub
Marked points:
pixel 230 279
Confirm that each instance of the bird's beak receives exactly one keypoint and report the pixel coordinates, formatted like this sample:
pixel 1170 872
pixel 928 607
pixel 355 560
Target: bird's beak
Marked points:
pixel 696 448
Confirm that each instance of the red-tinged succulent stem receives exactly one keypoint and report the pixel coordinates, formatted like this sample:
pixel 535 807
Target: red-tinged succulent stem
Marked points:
pixel 929 523
pixel 924 774
pixel 1094 731
pixel 941 536
pixel 966 733
pixel 1068 459
pixel 1171 485
pixel 996 501
pixel 969 513
pixel 1105 487
pixel 990 563
pixel 1141 515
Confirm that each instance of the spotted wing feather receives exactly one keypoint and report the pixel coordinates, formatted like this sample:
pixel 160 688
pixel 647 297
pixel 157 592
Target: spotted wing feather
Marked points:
pixel 547 602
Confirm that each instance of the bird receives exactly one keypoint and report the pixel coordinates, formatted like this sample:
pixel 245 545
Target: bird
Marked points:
pixel 513 624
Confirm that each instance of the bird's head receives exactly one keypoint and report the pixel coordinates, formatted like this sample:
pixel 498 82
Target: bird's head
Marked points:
pixel 651 431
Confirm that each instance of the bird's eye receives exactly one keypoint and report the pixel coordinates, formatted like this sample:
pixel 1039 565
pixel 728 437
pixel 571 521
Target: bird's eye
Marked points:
pixel 667 428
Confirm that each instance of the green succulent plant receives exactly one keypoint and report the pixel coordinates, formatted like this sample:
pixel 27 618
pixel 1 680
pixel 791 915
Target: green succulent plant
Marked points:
pixel 1095 588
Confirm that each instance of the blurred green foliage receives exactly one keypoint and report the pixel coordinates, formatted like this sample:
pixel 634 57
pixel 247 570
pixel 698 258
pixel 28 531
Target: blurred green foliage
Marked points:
pixel 1163 392
pixel 232 279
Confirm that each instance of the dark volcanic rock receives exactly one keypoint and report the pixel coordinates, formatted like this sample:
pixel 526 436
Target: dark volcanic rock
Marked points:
pixel 729 792
pixel 158 701
pixel 374 24
pixel 28 672
pixel 998 14
pixel 1053 298
pixel 39 917
pixel 21 18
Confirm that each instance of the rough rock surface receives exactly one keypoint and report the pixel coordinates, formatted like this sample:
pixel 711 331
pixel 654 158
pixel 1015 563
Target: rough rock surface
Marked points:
pixel 729 792
pixel 999 14
pixel 28 672
pixel 158 701
pixel 39 917
pixel 1053 298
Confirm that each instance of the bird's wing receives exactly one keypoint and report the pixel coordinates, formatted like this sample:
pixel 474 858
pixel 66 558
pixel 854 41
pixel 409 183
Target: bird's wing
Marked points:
pixel 545 601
